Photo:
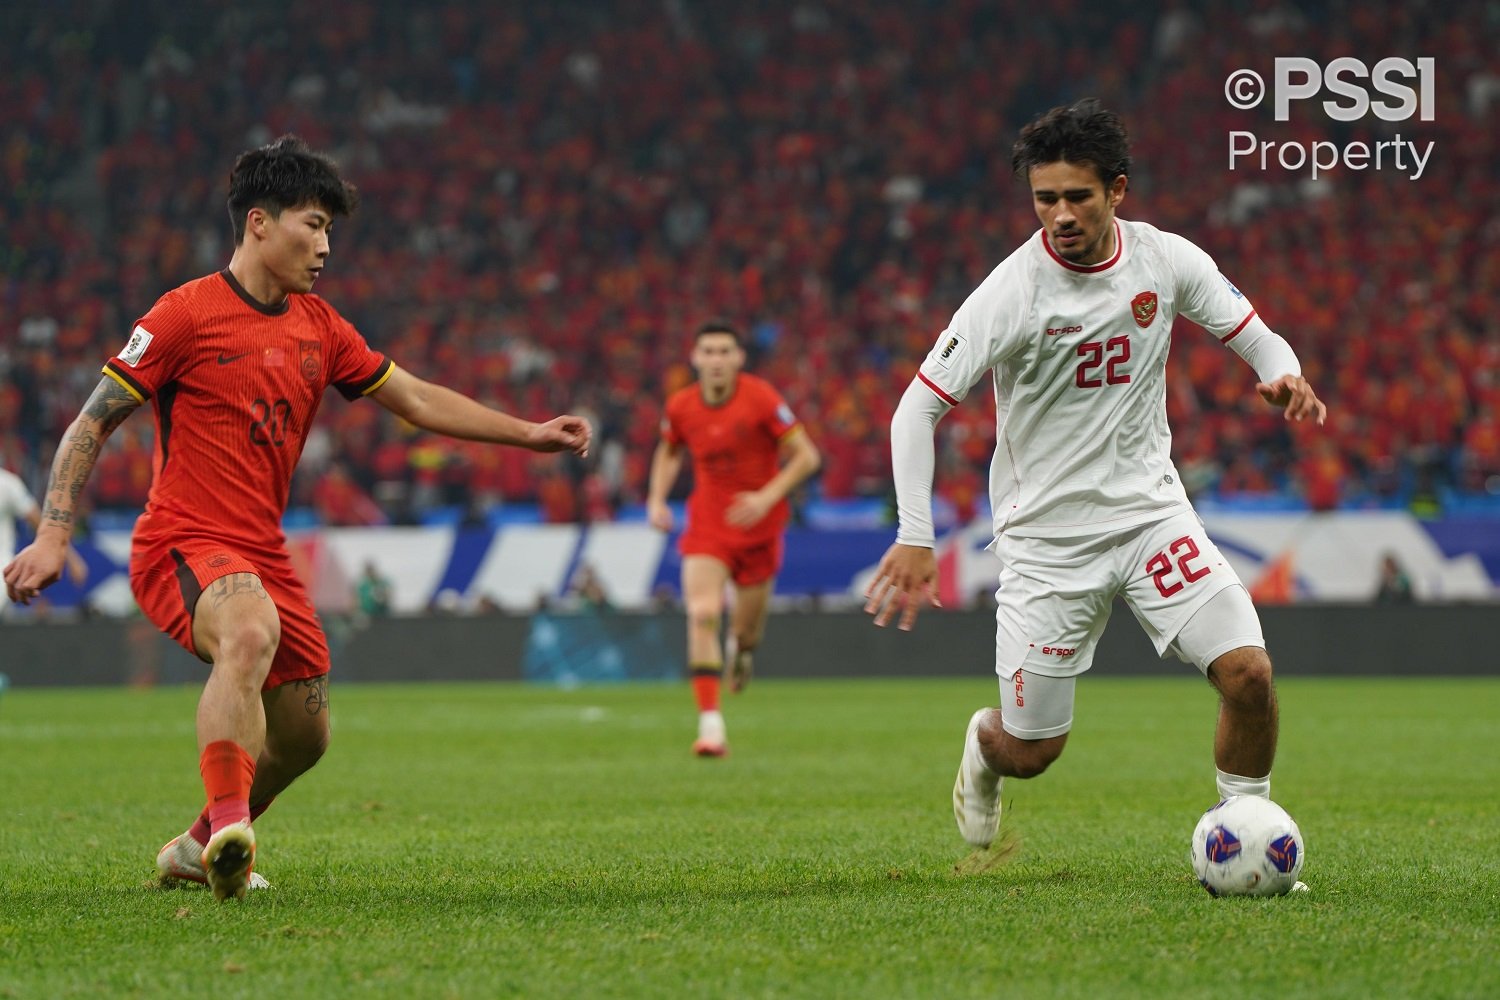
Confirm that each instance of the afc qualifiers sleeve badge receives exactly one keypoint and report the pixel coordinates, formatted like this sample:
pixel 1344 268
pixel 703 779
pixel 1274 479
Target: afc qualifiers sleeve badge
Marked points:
pixel 1143 308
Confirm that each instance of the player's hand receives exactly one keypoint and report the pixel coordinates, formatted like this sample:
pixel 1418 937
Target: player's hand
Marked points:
pixel 1295 396
pixel 37 567
pixel 905 581
pixel 659 515
pixel 747 509
pixel 565 433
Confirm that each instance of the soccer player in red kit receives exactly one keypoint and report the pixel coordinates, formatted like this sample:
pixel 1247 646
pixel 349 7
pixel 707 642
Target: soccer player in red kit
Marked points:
pixel 235 365
pixel 748 453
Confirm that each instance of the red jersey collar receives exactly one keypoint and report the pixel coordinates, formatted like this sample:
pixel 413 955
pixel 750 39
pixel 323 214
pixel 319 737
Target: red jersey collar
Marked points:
pixel 252 301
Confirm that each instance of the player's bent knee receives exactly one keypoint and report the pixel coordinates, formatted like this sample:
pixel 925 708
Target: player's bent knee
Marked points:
pixel 1243 675
pixel 705 616
pixel 254 637
pixel 299 753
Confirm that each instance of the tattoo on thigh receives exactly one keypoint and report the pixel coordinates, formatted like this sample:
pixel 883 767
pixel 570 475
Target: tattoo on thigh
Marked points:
pixel 226 587
pixel 317 694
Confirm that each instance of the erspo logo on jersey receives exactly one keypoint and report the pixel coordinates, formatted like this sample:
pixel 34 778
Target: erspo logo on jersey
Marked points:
pixel 950 347
pixel 1297 78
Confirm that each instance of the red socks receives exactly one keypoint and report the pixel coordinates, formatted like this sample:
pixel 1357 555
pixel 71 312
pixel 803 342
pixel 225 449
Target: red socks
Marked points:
pixel 227 773
pixel 706 686
pixel 201 830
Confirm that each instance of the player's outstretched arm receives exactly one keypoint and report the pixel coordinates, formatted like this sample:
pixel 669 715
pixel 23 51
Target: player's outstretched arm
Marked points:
pixel 441 410
pixel 906 579
pixel 1294 394
pixel 666 463
pixel 39 565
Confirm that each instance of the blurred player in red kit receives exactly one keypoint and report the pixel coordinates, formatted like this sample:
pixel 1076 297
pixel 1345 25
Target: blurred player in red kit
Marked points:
pixel 748 453
pixel 234 365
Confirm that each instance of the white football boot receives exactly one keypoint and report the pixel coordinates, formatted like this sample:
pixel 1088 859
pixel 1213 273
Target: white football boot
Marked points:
pixel 711 741
pixel 181 860
pixel 976 792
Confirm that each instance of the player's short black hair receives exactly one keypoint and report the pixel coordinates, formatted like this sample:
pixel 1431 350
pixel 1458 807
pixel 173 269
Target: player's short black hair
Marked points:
pixel 286 174
pixel 1082 132
pixel 719 326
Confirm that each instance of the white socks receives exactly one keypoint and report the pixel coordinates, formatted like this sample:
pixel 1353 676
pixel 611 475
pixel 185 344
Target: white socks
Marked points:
pixel 1234 784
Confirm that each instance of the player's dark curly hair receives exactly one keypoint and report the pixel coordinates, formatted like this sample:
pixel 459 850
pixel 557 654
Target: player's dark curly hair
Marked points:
pixel 1082 132
pixel 720 326
pixel 286 174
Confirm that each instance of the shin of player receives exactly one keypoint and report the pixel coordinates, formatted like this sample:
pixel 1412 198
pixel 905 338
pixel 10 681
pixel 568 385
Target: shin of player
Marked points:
pixel 748 453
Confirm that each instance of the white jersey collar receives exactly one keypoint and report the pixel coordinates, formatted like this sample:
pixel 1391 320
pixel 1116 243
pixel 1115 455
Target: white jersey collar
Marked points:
pixel 1103 265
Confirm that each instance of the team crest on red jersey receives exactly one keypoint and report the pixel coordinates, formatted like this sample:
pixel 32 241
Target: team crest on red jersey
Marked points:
pixel 1143 308
pixel 310 359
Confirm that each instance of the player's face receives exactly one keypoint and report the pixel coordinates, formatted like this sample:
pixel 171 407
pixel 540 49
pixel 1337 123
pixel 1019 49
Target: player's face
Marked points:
pixel 718 358
pixel 1076 210
pixel 297 246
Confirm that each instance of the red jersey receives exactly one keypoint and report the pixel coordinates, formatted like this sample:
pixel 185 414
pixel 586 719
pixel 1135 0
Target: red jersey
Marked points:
pixel 235 385
pixel 736 448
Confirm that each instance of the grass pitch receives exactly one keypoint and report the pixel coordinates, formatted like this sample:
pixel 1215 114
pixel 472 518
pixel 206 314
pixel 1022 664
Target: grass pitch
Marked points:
pixel 504 840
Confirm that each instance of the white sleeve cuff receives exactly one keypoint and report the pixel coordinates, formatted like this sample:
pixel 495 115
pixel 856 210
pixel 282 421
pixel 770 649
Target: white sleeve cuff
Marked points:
pixel 1265 350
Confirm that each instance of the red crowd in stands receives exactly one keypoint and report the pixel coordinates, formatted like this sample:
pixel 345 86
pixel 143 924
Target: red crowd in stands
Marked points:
pixel 555 197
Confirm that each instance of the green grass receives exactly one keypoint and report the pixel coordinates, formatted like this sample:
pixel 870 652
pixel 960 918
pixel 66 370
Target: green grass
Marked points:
pixel 502 840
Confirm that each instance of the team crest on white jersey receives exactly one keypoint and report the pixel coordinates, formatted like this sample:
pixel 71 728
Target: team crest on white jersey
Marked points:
pixel 135 348
pixel 1143 308
pixel 1237 293
pixel 952 345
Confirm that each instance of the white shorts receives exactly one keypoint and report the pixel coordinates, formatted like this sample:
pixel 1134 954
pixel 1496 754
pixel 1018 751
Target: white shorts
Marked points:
pixel 1055 598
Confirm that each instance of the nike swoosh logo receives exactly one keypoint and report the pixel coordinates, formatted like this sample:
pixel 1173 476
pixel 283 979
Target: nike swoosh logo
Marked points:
pixel 225 359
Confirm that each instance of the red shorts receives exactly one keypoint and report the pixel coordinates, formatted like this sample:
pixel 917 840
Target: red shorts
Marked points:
pixel 748 564
pixel 168 581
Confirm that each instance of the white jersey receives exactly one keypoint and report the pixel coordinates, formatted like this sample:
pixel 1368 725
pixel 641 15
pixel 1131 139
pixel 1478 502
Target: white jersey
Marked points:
pixel 1079 357
pixel 15 501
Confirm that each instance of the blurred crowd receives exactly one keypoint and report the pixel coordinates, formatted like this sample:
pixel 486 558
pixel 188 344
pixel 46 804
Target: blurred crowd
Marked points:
pixel 555 195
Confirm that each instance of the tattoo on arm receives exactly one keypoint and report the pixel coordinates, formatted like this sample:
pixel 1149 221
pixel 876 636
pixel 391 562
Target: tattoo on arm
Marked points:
pixel 317 693
pixel 109 405
pixel 226 587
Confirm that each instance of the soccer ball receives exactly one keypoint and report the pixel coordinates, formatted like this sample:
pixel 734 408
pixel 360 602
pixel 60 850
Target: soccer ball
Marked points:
pixel 1247 846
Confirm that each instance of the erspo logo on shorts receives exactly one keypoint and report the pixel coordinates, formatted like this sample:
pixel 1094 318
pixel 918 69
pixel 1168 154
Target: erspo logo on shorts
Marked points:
pixel 1059 650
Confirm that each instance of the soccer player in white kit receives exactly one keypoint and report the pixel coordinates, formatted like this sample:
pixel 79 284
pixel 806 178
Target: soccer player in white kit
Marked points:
pixel 1074 328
